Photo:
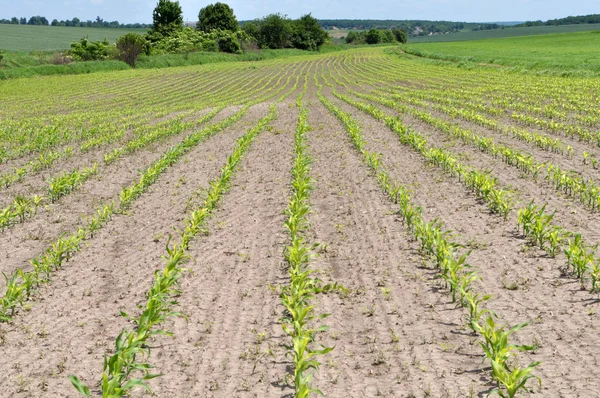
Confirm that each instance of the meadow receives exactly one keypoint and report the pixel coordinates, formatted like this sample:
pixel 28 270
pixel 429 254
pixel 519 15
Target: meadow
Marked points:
pixel 575 54
pixel 361 223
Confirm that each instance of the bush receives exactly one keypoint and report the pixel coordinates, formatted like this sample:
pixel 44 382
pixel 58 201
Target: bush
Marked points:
pixel 387 36
pixel 1 56
pixel 85 50
pixel 190 40
pixel 352 37
pixel 130 47
pixel 373 36
pixel 229 44
pixel 400 35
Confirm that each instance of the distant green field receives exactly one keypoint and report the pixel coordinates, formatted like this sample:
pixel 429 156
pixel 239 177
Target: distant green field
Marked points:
pixel 506 32
pixel 52 38
pixel 576 54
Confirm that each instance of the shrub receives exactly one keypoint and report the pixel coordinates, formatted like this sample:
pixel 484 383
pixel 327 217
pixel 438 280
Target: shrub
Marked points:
pixel 85 50
pixel 387 36
pixel 400 35
pixel 130 47
pixel 352 37
pixel 1 56
pixel 373 36
pixel 190 40
pixel 229 44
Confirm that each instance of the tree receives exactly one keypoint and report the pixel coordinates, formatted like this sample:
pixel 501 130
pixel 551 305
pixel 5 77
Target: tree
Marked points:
pixel 130 47
pixel 252 29
pixel 38 20
pixel 54 22
pixel 400 35
pixel 307 33
pixel 23 21
pixel 217 16
pixel 14 20
pixel 275 31
pixel 373 36
pixel 167 17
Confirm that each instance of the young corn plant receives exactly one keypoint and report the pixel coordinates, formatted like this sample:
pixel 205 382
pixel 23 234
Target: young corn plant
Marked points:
pixel 496 345
pixel 127 368
pixel 298 295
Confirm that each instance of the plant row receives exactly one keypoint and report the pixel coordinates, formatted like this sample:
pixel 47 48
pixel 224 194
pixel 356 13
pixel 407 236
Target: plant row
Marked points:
pixel 581 260
pixel 499 200
pixel 298 296
pixel 127 368
pixel 21 283
pixel 453 268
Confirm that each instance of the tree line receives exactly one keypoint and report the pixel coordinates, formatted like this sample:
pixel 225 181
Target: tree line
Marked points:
pixel 577 20
pixel 75 22
pixel 411 27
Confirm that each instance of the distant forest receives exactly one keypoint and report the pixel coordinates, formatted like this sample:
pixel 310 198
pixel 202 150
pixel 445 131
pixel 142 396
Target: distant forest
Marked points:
pixel 412 27
pixel 581 19
pixel 76 22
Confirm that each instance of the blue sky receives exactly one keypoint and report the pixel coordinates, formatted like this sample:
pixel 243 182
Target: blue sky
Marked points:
pixel 454 10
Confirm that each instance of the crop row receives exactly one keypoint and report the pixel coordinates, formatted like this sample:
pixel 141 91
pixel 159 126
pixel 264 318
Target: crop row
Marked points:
pixel 297 296
pixel 453 269
pixel 131 351
pixel 569 182
pixel 22 207
pixel 499 200
pixel 20 284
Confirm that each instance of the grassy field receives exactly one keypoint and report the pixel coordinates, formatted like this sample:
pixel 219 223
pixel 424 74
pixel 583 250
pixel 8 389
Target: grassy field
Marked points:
pixel 507 32
pixel 576 54
pixel 52 38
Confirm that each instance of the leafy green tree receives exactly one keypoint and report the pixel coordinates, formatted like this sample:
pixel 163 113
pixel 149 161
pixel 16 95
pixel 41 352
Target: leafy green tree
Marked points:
pixel 307 33
pixel 23 21
pixel 37 20
pixel 400 35
pixel 14 20
pixel 252 29
pixel 275 31
pixel 217 16
pixel 167 17
pixel 373 36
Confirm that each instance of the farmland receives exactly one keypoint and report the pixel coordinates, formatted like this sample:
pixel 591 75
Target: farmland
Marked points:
pixel 361 222
pixel 53 38
pixel 574 54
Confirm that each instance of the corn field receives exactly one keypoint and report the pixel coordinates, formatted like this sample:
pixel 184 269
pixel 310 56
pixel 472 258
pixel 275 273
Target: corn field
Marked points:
pixel 360 223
